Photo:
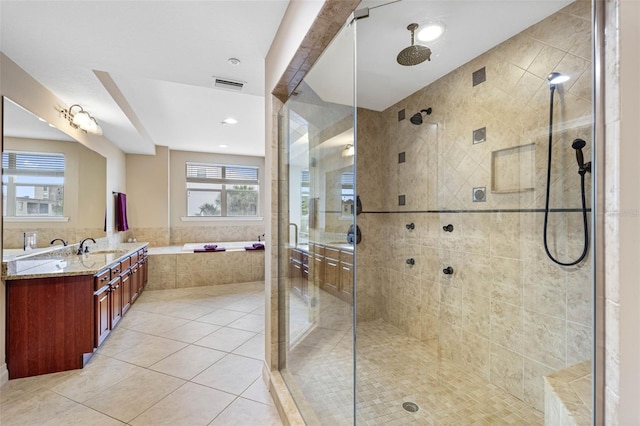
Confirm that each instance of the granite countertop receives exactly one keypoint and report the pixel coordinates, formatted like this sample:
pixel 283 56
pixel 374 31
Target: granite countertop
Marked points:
pixel 64 262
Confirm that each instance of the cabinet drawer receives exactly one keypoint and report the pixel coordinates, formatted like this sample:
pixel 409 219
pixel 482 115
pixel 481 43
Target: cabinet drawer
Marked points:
pixel 296 255
pixel 141 253
pixel 134 258
pixel 317 249
pixel 346 256
pixel 101 279
pixel 116 269
pixel 332 253
pixel 125 264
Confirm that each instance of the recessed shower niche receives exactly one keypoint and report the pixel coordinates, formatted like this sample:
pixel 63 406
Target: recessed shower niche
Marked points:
pixel 513 169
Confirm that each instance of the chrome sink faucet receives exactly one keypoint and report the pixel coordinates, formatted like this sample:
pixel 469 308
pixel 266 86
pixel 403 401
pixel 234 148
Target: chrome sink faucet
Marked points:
pixel 84 249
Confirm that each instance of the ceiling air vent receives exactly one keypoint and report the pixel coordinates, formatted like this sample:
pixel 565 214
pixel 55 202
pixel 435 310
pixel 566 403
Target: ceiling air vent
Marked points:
pixel 225 83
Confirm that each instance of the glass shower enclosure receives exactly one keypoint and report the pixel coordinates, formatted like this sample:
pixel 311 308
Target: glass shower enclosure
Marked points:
pixel 421 203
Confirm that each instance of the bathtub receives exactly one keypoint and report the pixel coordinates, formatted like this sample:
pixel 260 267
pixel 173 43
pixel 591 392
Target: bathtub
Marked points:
pixel 175 267
pixel 229 245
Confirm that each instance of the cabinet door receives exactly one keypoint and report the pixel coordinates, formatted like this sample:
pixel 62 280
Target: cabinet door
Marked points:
pixel 116 301
pixel 317 271
pixel 125 283
pixel 135 282
pixel 102 316
pixel 331 275
pixel 346 281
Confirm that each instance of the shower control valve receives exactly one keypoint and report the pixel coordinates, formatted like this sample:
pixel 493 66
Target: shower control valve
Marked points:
pixel 448 270
pixel 410 225
pixel 448 228
pixel 411 261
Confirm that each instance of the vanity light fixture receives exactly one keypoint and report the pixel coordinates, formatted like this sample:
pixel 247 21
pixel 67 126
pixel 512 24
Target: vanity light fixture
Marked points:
pixel 348 151
pixel 229 120
pixel 81 119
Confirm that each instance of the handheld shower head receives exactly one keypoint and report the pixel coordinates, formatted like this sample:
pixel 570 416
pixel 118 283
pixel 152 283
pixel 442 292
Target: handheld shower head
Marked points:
pixel 583 168
pixel 556 78
pixel 417 117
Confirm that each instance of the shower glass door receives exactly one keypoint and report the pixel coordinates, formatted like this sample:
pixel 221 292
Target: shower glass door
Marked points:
pixel 462 317
pixel 317 200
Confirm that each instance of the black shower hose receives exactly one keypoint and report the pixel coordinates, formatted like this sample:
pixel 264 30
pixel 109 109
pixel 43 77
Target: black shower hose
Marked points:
pixel 546 207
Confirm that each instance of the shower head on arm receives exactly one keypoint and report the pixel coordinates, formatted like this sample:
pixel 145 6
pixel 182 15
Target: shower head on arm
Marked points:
pixel 417 117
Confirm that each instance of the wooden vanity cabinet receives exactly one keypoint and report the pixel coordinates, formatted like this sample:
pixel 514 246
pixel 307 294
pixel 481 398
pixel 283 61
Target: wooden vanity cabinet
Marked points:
pixel 55 323
pixel 50 324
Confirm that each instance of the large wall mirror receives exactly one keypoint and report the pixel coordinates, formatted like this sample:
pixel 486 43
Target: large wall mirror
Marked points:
pixel 52 186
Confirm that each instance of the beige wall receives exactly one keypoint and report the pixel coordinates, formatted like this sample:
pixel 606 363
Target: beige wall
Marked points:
pixel 507 313
pixel 148 207
pixel 20 87
pixel 622 212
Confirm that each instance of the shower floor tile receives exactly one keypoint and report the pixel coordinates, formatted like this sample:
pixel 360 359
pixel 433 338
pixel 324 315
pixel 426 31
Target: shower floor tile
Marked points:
pixel 393 368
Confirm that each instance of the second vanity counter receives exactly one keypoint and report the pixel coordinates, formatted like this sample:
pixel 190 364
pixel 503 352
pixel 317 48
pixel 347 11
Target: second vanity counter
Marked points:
pixel 64 261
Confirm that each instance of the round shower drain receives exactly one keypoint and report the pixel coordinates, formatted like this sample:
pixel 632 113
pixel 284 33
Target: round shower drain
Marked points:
pixel 410 407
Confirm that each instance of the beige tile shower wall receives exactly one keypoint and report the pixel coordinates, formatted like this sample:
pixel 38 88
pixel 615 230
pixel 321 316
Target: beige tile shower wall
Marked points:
pixel 507 313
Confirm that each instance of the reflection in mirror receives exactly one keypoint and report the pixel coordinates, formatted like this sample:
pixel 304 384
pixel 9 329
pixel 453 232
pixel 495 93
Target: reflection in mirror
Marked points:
pixel 52 185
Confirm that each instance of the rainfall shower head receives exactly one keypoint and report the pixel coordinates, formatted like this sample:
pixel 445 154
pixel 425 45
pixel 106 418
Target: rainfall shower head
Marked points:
pixel 417 117
pixel 414 54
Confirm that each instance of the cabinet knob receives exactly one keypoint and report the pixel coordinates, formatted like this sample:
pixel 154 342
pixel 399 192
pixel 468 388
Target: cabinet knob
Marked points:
pixel 411 261
pixel 448 228
pixel 448 270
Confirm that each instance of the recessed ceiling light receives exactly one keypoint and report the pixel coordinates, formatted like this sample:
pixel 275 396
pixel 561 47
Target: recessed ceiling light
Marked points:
pixel 431 32
pixel 234 61
pixel 223 146
pixel 230 120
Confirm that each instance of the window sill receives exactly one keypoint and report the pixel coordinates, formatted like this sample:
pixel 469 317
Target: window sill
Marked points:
pixel 220 219
pixel 36 219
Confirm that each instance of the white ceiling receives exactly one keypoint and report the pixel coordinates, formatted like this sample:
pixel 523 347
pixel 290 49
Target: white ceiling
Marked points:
pixel 145 69
pixel 472 28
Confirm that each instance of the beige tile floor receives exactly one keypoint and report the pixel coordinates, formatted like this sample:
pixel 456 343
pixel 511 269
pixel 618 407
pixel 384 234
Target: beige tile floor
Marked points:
pixel 178 357
pixel 391 368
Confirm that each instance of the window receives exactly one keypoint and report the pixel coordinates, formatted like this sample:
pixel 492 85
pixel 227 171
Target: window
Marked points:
pixel 32 184
pixel 347 195
pixel 222 190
